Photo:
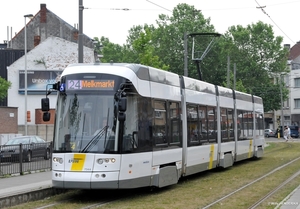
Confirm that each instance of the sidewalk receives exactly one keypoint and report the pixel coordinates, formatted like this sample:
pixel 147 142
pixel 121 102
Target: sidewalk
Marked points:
pixel 20 189
pixel 25 183
pixel 292 201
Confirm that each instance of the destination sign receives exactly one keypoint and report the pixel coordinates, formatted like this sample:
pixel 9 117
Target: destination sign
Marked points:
pixel 90 84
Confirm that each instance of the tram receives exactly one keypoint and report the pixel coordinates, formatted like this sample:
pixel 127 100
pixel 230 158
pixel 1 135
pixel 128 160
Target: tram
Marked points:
pixel 120 126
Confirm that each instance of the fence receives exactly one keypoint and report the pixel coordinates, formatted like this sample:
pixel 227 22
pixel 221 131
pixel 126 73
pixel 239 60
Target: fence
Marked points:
pixel 25 158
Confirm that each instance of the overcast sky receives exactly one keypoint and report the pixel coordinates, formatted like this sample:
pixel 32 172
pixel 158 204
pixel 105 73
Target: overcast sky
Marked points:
pixel 107 17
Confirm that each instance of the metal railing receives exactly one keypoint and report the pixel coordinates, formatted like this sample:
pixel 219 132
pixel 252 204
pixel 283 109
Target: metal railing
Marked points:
pixel 25 158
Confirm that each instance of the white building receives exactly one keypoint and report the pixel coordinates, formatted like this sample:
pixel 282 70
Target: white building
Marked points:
pixel 44 63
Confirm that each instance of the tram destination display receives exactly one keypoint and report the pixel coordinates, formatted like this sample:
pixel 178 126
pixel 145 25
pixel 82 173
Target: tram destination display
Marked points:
pixel 90 84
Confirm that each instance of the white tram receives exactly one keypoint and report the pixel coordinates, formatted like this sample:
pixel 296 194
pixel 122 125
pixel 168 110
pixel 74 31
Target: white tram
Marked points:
pixel 123 126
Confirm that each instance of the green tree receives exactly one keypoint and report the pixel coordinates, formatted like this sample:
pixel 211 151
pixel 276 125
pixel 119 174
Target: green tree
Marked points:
pixel 168 38
pixel 114 52
pixel 259 57
pixel 4 86
pixel 145 50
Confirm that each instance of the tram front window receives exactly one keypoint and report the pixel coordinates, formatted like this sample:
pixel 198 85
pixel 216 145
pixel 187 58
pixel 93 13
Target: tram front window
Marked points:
pixel 84 123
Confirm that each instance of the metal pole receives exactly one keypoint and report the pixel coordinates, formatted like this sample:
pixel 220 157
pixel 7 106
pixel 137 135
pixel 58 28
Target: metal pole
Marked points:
pixel 25 75
pixel 281 102
pixel 234 76
pixel 228 70
pixel 25 72
pixel 80 35
pixel 185 55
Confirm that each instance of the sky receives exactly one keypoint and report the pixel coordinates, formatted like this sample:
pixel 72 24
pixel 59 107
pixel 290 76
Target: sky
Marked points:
pixel 113 18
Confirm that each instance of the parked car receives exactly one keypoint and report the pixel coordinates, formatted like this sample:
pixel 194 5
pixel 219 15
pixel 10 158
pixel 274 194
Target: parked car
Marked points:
pixel 294 131
pixel 269 133
pixel 32 147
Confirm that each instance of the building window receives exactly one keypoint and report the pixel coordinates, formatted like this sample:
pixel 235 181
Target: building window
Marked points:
pixel 297 82
pixel 297 103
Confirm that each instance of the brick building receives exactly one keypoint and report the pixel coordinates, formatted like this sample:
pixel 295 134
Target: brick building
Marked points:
pixel 44 25
pixel 9 120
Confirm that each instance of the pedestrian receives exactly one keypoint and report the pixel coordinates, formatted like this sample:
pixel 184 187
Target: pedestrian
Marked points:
pixel 289 137
pixel 285 133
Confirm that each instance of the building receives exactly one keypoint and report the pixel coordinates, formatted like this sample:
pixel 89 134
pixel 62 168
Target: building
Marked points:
pixel 52 45
pixel 44 65
pixel 294 84
pixel 289 114
pixel 43 25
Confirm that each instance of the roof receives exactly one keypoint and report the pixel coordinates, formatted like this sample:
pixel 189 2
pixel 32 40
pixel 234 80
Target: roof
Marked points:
pixel 295 51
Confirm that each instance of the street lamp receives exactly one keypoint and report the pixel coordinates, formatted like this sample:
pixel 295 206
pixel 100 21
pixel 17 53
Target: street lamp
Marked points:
pixel 25 75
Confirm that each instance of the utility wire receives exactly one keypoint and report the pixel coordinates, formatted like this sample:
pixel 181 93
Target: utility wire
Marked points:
pixel 262 9
pixel 127 9
pixel 121 9
pixel 159 6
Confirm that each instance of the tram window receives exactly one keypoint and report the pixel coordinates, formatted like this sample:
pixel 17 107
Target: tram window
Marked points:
pixel 174 118
pixel 224 127
pixel 240 122
pixel 193 125
pixel 245 124
pixel 144 134
pixel 212 124
pixel 227 133
pixel 231 127
pixel 202 124
pixel 259 119
pixel 159 122
pixel 249 119
pixel 130 141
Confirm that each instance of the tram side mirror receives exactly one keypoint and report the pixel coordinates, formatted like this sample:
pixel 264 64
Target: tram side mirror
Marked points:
pixel 46 116
pixel 122 104
pixel 122 116
pixel 56 86
pixel 45 104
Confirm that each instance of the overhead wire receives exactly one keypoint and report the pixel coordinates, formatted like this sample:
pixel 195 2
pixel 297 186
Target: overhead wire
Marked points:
pixel 159 6
pixel 263 10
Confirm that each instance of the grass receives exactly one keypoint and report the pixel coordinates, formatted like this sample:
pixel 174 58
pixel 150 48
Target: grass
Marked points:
pixel 197 191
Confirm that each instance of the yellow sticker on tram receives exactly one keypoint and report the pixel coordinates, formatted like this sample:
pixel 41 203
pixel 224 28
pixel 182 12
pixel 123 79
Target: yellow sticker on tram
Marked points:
pixel 250 148
pixel 77 162
pixel 211 156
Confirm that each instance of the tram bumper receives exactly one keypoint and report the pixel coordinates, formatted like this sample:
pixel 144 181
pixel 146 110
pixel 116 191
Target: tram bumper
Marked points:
pixel 85 180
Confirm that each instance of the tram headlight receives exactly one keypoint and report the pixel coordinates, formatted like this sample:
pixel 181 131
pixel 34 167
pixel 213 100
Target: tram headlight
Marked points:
pixel 106 160
pixel 100 161
pixel 58 160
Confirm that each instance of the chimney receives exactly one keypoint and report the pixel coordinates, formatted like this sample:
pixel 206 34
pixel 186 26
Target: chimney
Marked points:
pixel 43 11
pixel 287 46
pixel 37 40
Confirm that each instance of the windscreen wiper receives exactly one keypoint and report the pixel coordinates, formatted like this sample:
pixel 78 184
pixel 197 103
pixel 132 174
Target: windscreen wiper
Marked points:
pixel 95 139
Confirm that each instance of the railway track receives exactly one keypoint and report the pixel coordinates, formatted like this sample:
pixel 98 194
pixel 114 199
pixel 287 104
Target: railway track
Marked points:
pixel 263 199
pixel 257 180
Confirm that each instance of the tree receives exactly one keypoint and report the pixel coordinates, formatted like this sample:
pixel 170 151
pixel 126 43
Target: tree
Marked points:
pixel 168 38
pixel 259 57
pixel 4 86
pixel 114 52
pixel 145 50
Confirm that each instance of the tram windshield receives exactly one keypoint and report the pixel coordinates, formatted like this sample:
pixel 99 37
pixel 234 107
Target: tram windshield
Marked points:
pixel 85 117
pixel 84 123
